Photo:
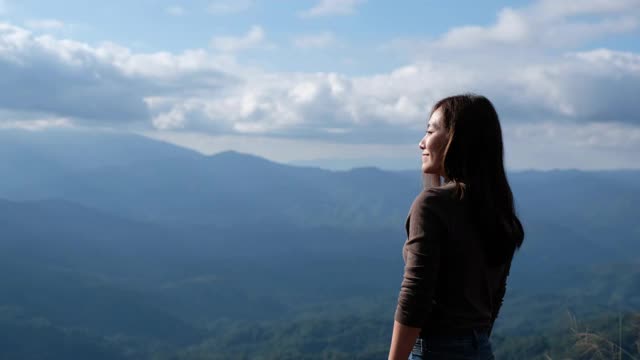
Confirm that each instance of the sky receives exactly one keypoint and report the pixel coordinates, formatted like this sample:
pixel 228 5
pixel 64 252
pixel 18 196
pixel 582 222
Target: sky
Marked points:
pixel 335 83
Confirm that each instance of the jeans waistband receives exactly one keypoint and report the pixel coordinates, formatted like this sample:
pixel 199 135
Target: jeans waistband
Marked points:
pixel 454 332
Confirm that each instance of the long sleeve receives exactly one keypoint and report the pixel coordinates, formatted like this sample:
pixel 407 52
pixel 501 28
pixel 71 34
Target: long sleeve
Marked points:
pixel 421 251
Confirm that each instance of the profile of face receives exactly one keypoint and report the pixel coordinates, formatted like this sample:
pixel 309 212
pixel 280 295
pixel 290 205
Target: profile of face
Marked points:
pixel 433 144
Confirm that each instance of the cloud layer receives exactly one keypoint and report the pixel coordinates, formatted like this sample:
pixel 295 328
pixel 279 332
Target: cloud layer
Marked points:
pixel 314 41
pixel 254 38
pixel 547 24
pixel 531 63
pixel 225 7
pixel 332 7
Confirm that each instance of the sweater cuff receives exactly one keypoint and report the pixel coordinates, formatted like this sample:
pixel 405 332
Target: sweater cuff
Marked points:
pixel 407 319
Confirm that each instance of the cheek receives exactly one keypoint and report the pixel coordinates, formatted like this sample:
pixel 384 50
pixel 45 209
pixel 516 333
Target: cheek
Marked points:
pixel 428 144
pixel 435 145
pixel 440 143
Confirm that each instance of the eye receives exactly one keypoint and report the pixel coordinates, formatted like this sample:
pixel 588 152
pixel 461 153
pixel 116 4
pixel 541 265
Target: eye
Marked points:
pixel 429 132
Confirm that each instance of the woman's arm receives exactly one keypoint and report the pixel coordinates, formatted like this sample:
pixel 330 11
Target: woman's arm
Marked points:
pixel 402 341
pixel 425 233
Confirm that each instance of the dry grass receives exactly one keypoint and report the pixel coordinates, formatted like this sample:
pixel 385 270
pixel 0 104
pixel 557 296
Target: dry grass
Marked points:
pixel 594 346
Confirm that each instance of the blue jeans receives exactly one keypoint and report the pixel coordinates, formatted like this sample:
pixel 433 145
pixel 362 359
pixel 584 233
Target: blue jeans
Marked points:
pixel 474 346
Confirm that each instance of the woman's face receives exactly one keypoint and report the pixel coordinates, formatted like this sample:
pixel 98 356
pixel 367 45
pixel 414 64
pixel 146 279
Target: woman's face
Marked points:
pixel 433 144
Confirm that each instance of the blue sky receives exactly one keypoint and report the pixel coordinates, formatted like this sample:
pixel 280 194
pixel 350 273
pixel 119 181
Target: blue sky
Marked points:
pixel 346 82
pixel 151 26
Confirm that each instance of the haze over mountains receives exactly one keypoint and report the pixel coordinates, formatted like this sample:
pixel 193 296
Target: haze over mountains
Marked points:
pixel 120 235
pixel 136 178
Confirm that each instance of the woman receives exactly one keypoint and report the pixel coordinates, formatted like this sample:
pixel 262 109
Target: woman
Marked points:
pixel 461 237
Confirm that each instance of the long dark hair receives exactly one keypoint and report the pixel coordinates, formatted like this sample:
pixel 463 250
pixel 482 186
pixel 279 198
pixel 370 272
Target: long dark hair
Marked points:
pixel 474 162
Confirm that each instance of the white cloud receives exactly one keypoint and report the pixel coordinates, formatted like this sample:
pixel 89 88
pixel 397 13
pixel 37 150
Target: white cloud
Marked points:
pixel 175 10
pixel 199 90
pixel 554 8
pixel 588 146
pixel 252 39
pixel 510 28
pixel 36 125
pixel 588 97
pixel 588 86
pixel 579 87
pixel 315 41
pixel 333 7
pixel 563 88
pixel 223 7
pixel 547 24
pixel 44 24
pixel 109 83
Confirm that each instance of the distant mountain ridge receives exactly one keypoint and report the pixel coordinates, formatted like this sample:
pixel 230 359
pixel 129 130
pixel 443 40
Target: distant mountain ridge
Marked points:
pixel 154 181
pixel 150 181
pixel 166 183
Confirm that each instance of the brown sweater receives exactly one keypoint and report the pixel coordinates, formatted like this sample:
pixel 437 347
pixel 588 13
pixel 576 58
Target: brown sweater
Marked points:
pixel 447 283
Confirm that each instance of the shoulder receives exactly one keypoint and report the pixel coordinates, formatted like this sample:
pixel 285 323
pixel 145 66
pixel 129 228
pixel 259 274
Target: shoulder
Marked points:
pixel 428 211
pixel 435 198
pixel 433 201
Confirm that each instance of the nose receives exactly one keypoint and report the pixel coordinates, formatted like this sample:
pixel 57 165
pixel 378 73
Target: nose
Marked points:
pixel 421 144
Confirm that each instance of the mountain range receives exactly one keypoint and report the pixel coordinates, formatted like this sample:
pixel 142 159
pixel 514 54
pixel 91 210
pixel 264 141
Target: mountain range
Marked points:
pixel 114 236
